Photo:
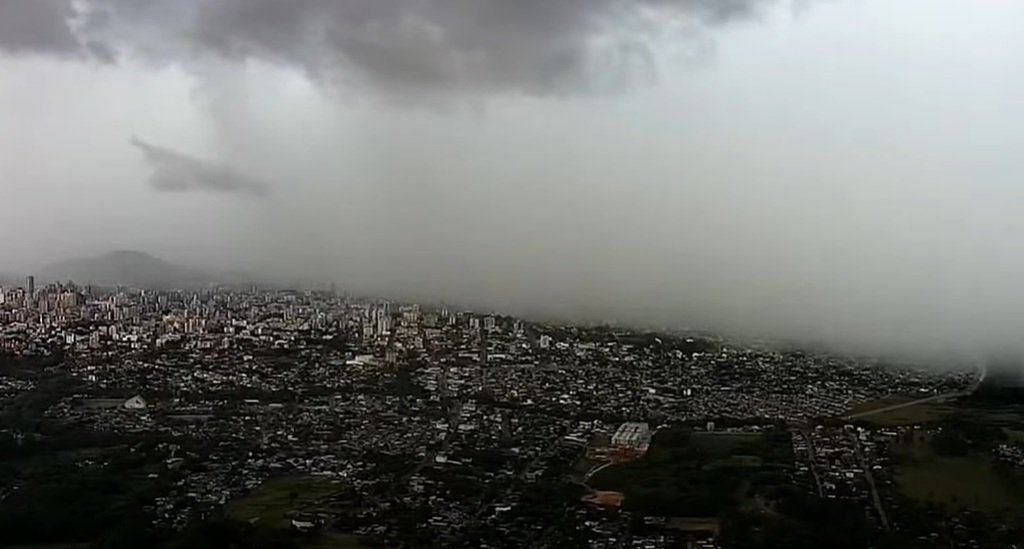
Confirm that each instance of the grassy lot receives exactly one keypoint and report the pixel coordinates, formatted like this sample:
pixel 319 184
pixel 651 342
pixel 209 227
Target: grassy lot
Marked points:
pixel 272 501
pixel 723 442
pixel 869 405
pixel 696 474
pixel 968 482
pixel 911 415
pixel 695 524
pixel 734 462
pixel 600 440
pixel 275 498
pixel 584 465
pixel 334 540
pixel 1015 435
pixel 53 546
pixel 1006 415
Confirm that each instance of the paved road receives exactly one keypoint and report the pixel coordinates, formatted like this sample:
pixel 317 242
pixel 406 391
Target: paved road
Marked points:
pixel 593 471
pixel 934 398
pixel 871 481
pixel 811 460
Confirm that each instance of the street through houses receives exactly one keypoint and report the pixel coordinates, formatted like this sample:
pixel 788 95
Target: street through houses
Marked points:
pixel 871 480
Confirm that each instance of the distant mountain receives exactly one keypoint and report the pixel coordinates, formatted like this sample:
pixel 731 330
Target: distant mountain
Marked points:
pixel 129 268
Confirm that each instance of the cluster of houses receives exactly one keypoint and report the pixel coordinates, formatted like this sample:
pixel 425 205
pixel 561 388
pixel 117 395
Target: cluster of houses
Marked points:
pixel 452 424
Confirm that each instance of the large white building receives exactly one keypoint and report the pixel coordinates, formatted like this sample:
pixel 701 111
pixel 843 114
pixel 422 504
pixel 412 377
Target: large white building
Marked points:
pixel 632 435
pixel 135 403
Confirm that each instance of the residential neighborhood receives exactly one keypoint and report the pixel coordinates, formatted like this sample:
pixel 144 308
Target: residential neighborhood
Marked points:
pixel 410 425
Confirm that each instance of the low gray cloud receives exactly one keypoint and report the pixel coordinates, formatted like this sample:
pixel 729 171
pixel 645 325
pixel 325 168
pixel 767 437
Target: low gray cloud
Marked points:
pixel 40 26
pixel 177 172
pixel 398 47
pixel 850 175
pixel 51 27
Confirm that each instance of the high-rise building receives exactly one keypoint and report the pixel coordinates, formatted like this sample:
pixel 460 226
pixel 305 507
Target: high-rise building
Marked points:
pixel 544 341
pixel 30 291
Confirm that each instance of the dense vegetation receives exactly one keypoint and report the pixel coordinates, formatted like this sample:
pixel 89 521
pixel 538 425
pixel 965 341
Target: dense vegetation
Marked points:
pixel 962 433
pixel 742 480
pixel 702 475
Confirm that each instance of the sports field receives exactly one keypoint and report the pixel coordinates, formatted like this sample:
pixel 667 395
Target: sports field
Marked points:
pixel 917 414
pixel 695 524
pixel 967 482
pixel 723 441
pixel 876 404
pixel 269 503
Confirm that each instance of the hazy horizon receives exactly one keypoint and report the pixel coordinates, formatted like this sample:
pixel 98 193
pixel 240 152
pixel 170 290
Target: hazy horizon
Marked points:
pixel 833 170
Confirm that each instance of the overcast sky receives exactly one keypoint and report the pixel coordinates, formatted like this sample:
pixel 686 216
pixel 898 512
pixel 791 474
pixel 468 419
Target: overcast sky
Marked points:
pixel 851 170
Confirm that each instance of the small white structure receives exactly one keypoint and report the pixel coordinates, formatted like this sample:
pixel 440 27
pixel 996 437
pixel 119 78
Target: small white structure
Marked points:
pixel 135 403
pixel 302 525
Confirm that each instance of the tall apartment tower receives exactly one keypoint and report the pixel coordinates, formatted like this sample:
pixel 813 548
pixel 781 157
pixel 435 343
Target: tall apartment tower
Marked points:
pixel 30 291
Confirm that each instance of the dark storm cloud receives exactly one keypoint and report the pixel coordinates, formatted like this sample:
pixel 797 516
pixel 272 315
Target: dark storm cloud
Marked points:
pixel 395 46
pixel 176 172
pixel 40 26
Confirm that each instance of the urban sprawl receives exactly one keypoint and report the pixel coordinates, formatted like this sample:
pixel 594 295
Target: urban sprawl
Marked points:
pixel 410 425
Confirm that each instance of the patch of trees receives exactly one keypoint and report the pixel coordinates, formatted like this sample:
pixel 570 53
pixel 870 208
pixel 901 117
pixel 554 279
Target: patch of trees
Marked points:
pixel 66 503
pixel 950 443
pixel 802 521
pixel 68 484
pixel 674 479
pixel 224 533
pixel 962 434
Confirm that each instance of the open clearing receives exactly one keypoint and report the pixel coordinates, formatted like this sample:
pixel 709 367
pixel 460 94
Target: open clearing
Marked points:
pixel 968 482
pixel 734 462
pixel 877 404
pixel 53 546
pixel 334 540
pixel 695 524
pixel 276 497
pixel 917 414
pixel 1014 435
pixel 723 441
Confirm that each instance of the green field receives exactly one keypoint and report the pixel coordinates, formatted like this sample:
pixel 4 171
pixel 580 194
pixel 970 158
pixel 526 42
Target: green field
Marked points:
pixel 692 524
pixel 697 474
pixel 918 414
pixel 723 441
pixel 269 503
pixel 1015 435
pixel 734 462
pixel 968 482
pixel 53 546
pixel 333 540
pixel 869 405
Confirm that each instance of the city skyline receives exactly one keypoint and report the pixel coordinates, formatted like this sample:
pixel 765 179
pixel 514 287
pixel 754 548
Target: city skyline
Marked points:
pixel 845 171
